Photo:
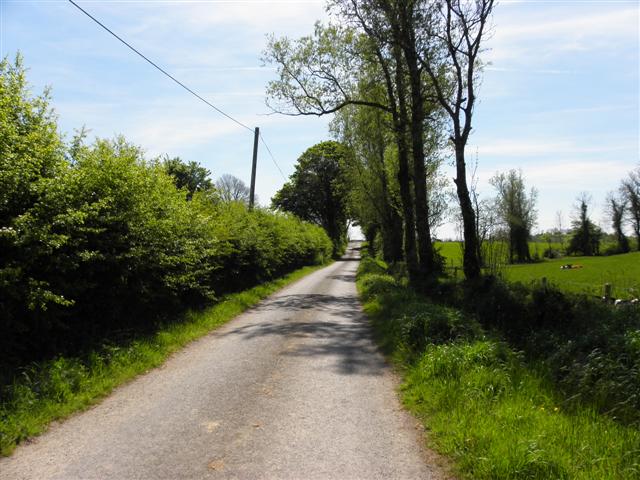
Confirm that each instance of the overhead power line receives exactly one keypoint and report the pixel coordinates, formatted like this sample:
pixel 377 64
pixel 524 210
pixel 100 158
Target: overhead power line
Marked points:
pixel 158 67
pixel 199 97
pixel 272 157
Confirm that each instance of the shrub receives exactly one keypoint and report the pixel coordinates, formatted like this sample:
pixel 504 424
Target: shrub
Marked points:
pixel 588 347
pixel 435 325
pixel 97 243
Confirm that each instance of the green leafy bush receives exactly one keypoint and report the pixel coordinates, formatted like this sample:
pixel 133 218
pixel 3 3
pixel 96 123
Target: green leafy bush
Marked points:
pixel 435 325
pixel 98 243
pixel 587 345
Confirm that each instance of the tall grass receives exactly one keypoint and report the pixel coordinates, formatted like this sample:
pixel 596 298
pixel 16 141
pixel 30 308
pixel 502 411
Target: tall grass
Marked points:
pixel 497 415
pixel 49 391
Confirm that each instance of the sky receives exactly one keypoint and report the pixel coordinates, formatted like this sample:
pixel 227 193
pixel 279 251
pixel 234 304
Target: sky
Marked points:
pixel 559 99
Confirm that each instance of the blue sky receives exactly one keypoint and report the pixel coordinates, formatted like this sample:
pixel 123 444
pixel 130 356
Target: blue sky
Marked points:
pixel 559 98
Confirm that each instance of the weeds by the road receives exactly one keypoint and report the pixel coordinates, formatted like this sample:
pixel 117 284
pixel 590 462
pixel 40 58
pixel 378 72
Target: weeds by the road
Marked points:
pixel 56 389
pixel 496 414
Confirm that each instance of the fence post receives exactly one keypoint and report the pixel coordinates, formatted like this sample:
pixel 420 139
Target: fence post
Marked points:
pixel 544 284
pixel 607 292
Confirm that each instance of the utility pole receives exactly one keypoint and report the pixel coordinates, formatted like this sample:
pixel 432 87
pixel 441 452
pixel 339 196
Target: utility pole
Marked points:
pixel 252 193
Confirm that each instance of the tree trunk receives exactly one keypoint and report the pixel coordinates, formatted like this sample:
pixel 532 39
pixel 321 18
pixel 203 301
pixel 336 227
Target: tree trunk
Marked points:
pixel 410 254
pixel 391 228
pixel 470 260
pixel 423 230
pixel 396 237
pixel 370 237
pixel 404 181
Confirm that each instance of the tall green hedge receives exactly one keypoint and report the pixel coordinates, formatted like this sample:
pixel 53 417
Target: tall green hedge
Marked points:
pixel 95 240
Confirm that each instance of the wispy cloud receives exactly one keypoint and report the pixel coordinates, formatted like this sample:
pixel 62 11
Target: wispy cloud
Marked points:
pixel 544 148
pixel 551 32
pixel 543 71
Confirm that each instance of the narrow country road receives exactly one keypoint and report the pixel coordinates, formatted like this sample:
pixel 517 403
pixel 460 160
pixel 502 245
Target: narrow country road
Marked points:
pixel 293 388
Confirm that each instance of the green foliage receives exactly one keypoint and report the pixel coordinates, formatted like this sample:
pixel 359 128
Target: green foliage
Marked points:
pixel 516 210
pixel 584 344
pixel 188 175
pixel 316 191
pixel 616 210
pixel 30 148
pixel 105 245
pixel 433 325
pixel 585 236
pixel 499 419
pixel 630 191
pixel 496 412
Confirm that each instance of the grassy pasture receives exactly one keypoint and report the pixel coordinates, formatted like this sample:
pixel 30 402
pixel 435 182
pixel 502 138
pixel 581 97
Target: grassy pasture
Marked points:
pixel 621 271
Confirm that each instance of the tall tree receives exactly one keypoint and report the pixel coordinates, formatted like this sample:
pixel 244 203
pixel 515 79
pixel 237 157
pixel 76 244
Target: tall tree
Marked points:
pixel 616 209
pixel 460 28
pixel 232 189
pixel 517 212
pixel 188 175
pixel 403 19
pixel 372 187
pixel 585 235
pixel 630 189
pixel 316 191
pixel 338 67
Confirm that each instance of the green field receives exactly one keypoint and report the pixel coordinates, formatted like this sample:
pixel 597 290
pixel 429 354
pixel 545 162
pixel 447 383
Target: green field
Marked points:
pixel 621 271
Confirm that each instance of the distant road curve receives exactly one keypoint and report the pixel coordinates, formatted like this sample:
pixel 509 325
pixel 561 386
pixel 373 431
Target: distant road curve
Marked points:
pixel 293 388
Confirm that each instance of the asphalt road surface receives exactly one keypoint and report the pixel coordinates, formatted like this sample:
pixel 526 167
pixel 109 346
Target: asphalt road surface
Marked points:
pixel 293 388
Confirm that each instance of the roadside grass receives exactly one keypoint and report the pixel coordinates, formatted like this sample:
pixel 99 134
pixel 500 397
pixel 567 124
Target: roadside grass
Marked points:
pixel 483 405
pixel 50 391
pixel 622 271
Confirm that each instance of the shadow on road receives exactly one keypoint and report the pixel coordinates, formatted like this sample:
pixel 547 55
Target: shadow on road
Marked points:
pixel 335 327
pixel 350 278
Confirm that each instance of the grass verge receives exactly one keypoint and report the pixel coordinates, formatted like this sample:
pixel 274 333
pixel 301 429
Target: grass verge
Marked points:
pixel 483 405
pixel 56 389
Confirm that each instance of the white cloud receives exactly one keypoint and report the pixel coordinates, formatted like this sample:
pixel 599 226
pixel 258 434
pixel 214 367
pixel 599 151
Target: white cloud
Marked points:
pixel 164 133
pixel 540 147
pixel 550 32
pixel 576 175
pixel 621 22
pixel 262 15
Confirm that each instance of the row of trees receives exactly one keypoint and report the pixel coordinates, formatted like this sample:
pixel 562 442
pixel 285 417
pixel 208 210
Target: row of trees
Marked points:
pixel 401 78
pixel 511 216
pixel 96 239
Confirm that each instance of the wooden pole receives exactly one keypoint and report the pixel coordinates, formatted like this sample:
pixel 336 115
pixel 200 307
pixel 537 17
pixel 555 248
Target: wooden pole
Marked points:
pixel 252 193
